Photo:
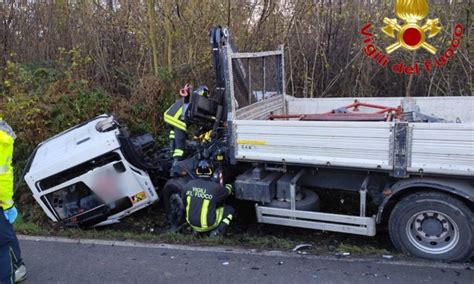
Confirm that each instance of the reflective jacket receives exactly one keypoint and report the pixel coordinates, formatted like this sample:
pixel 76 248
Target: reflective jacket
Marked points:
pixel 7 138
pixel 174 115
pixel 203 199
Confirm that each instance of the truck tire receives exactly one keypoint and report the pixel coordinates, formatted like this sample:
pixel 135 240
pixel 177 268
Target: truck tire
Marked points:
pixel 309 202
pixel 432 225
pixel 173 186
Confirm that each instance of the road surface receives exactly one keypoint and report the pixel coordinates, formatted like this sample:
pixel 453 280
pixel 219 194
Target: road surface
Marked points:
pixel 52 260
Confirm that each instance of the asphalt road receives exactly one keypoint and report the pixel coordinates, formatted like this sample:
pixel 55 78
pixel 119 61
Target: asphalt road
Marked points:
pixel 90 261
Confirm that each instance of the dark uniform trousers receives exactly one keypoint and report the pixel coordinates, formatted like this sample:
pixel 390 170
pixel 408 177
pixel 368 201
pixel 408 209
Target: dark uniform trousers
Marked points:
pixel 205 210
pixel 10 255
pixel 174 117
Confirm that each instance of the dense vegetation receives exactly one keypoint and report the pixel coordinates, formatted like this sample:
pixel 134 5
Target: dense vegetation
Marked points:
pixel 67 61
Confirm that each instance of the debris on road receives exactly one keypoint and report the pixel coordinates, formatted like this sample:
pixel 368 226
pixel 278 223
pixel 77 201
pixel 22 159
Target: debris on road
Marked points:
pixel 387 256
pixel 280 262
pixel 370 274
pixel 225 263
pixel 301 246
pixel 341 254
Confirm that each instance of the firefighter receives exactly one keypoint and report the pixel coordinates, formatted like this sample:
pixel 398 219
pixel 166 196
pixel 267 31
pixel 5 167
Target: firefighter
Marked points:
pixel 204 199
pixel 175 117
pixel 12 268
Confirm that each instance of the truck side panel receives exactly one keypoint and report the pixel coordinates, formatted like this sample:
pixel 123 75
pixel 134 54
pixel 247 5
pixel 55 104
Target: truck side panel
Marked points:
pixel 444 148
pixel 346 144
pixel 432 148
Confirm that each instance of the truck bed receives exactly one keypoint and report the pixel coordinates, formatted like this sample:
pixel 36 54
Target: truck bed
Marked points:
pixel 431 148
pixel 441 148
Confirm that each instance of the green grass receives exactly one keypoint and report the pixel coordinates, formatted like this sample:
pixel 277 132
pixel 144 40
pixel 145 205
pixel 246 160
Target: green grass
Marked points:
pixel 254 237
pixel 28 228
pixel 361 250
pixel 245 240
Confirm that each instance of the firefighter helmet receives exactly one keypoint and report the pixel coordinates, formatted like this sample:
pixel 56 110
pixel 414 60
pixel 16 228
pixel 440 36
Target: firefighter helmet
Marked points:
pixel 204 169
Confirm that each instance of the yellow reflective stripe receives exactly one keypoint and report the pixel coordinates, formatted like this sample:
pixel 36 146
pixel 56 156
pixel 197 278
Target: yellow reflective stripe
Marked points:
pixel 229 217
pixel 229 188
pixel 178 113
pixel 204 211
pixel 178 153
pixel 198 229
pixel 175 122
pixel 219 215
pixel 226 221
pixel 188 203
pixel 171 134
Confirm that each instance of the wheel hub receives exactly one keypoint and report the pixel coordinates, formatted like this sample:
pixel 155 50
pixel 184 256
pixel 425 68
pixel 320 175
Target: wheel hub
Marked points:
pixel 431 226
pixel 432 232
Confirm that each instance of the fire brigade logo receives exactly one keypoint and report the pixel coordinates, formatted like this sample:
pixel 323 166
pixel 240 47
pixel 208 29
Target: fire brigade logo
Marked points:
pixel 410 35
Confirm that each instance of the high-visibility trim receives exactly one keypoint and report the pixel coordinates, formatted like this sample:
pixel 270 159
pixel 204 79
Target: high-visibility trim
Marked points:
pixel 172 116
pixel 199 229
pixel 178 153
pixel 4 169
pixel 229 188
pixel 219 214
pixel 172 135
pixel 204 211
pixel 175 122
pixel 226 221
pixel 188 204
pixel 178 113
pixel 229 217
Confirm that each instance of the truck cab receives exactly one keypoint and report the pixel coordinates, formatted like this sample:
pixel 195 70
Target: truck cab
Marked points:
pixel 86 175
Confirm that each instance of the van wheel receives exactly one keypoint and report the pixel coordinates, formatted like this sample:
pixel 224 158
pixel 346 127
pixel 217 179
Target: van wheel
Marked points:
pixel 432 225
pixel 172 200
pixel 309 202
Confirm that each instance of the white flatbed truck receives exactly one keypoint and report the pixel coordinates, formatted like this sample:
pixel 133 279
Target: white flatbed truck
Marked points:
pixel 416 170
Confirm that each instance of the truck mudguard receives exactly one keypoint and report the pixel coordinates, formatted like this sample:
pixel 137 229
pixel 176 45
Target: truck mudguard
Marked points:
pixel 461 188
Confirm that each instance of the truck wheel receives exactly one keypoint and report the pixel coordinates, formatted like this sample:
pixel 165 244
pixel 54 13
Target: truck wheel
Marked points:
pixel 171 193
pixel 309 202
pixel 432 225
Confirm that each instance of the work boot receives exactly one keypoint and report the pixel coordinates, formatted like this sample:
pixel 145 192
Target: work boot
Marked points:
pixel 20 273
pixel 219 231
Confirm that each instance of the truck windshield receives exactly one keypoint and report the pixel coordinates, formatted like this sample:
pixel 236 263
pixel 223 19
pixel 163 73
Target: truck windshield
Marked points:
pixel 73 200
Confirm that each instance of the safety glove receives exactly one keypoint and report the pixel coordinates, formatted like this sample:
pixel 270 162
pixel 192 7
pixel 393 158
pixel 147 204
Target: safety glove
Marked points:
pixel 11 214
